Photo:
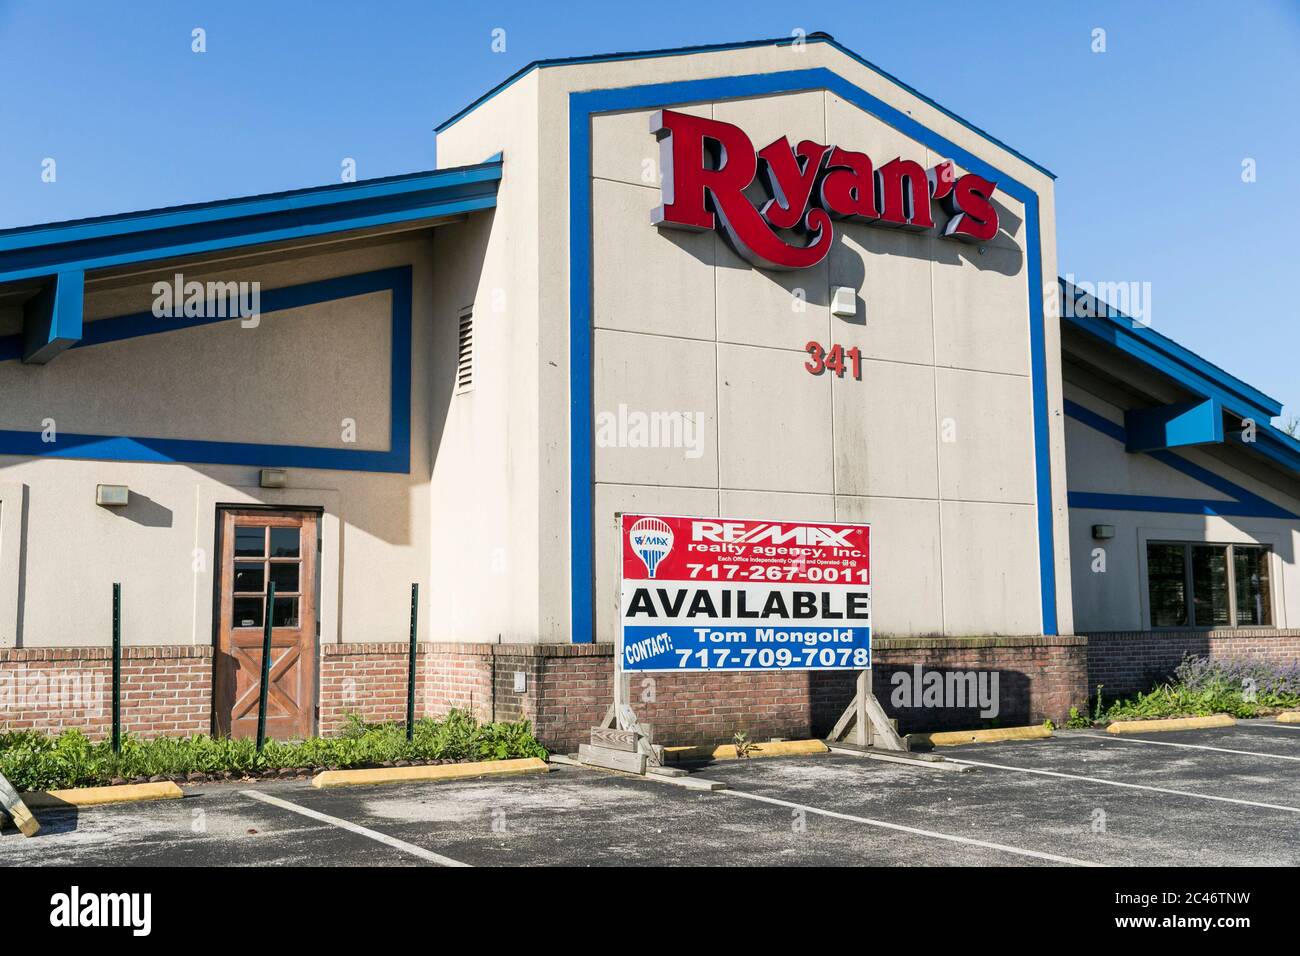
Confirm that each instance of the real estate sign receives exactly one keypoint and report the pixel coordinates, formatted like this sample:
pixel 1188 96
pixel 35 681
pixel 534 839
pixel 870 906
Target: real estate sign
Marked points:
pixel 705 594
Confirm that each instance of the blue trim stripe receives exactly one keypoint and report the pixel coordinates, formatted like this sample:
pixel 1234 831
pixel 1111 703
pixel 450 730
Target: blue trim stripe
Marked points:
pixel 581 452
pixel 1243 504
pixel 582 106
pixel 130 448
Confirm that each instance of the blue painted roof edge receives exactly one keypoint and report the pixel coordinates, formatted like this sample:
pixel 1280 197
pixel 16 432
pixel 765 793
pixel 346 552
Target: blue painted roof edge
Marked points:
pixel 72 230
pixel 722 47
pixel 1271 443
pixel 1111 319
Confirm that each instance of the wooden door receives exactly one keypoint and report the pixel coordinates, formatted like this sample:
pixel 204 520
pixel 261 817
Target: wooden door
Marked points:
pixel 258 547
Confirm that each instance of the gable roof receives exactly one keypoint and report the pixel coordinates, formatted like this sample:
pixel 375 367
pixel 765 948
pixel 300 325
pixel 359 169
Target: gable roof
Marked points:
pixel 816 37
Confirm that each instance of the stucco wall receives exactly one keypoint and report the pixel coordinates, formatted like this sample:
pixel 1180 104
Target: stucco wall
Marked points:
pixel 682 325
pixel 291 379
pixel 487 461
pixel 1116 599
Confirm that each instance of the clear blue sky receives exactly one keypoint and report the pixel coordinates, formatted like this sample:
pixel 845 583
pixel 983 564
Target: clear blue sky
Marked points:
pixel 1147 139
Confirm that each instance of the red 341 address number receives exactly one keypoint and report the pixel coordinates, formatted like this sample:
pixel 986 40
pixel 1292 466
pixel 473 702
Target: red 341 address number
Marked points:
pixel 833 360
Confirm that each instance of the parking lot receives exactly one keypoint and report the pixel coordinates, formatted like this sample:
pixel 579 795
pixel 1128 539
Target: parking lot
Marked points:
pixel 1221 797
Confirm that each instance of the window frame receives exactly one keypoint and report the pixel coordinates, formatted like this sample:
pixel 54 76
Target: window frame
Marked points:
pixel 1189 595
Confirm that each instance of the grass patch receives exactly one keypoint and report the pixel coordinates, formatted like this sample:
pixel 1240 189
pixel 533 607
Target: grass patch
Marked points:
pixel 36 761
pixel 1203 687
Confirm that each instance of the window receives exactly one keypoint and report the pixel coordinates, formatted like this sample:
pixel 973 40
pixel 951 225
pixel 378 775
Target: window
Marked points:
pixel 1209 585
pixel 1254 598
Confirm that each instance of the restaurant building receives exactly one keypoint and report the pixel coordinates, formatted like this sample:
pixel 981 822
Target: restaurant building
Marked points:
pixel 757 280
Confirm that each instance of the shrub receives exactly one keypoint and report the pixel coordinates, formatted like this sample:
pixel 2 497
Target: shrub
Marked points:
pixel 1201 687
pixel 36 761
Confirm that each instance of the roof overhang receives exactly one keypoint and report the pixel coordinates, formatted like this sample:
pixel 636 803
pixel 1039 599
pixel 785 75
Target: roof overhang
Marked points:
pixel 48 265
pixel 1210 395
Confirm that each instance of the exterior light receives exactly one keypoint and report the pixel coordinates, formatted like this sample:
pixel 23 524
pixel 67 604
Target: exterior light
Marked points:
pixel 112 496
pixel 844 301
pixel 1103 531
pixel 273 478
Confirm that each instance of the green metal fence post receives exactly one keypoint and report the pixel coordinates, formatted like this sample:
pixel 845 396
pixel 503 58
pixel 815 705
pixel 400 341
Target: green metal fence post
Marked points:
pixel 266 664
pixel 117 667
pixel 410 674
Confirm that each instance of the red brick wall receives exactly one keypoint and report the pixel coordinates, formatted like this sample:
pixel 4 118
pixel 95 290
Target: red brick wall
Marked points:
pixel 577 684
pixel 166 691
pixel 1126 662
pixel 570 687
pixel 371 680
pixel 1039 678
pixel 567 688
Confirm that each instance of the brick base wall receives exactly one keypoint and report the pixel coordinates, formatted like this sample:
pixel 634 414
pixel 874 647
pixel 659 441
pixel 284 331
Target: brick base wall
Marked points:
pixel 1028 679
pixel 566 688
pixel 569 687
pixel 370 680
pixel 1126 662
pixel 166 691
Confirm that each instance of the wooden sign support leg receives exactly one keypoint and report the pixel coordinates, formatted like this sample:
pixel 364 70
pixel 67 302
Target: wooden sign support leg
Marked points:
pixel 871 726
pixel 862 734
pixel 628 744
pixel 13 805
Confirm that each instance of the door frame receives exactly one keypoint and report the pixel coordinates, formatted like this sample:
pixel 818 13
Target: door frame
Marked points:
pixel 319 512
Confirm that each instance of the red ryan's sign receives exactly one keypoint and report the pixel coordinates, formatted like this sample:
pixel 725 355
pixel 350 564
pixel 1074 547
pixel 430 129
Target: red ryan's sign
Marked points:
pixel 708 165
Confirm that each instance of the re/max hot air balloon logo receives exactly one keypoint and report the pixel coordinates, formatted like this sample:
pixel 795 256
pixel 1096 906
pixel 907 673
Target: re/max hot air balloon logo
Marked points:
pixel 651 540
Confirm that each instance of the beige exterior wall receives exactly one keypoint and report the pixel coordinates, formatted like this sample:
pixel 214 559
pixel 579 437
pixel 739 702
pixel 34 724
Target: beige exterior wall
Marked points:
pixel 1116 598
pixel 497 566
pixel 682 325
pixel 293 378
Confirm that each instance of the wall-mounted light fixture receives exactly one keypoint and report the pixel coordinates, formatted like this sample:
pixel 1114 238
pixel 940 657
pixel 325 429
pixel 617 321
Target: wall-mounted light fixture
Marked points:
pixel 273 478
pixel 844 301
pixel 112 496
pixel 1102 532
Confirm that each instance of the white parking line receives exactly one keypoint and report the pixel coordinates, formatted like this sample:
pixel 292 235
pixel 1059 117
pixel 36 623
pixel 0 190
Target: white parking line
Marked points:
pixel 1170 743
pixel 348 825
pixel 1263 726
pixel 1130 786
pixel 913 830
